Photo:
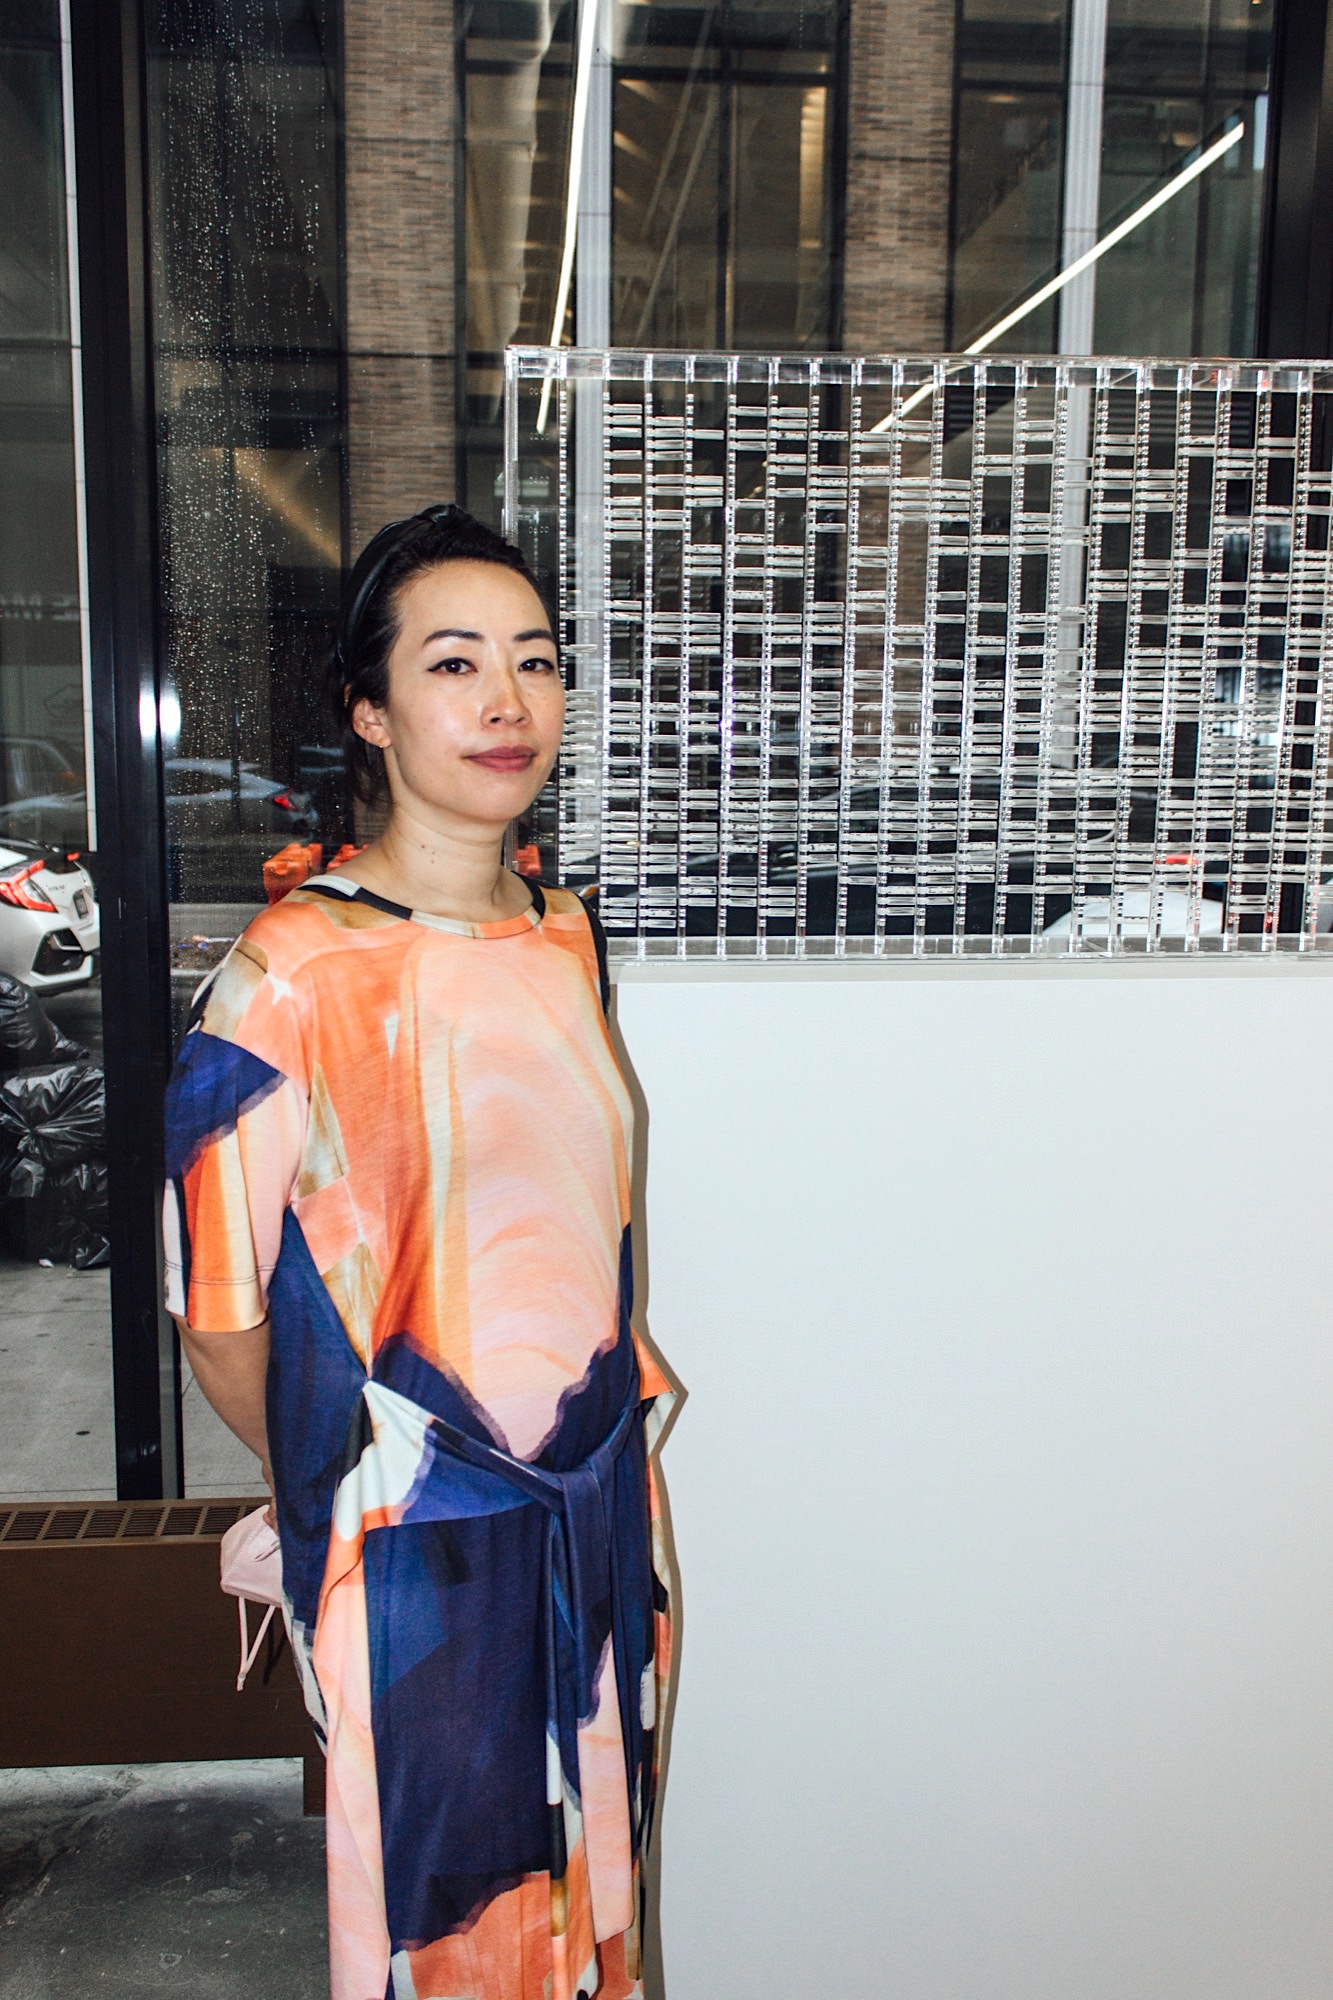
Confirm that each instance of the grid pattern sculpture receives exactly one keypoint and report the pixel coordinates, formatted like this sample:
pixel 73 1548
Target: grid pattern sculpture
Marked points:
pixel 875 655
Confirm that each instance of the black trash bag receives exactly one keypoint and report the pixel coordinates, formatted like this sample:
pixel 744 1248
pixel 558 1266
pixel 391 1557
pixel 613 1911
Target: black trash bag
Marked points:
pixel 26 1035
pixel 21 1178
pixel 64 1050
pixel 50 1116
pixel 65 1221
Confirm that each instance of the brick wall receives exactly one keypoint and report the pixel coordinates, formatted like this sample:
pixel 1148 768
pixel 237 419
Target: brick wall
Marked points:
pixel 401 97
pixel 900 138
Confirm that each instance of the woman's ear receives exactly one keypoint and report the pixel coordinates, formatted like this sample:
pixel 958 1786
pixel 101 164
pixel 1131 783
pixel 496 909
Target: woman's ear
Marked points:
pixel 369 723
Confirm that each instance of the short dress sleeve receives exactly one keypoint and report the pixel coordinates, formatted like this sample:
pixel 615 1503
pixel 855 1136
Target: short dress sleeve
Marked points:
pixel 236 1115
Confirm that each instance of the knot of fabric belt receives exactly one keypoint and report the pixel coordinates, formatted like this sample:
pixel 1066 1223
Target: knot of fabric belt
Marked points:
pixel 581 1576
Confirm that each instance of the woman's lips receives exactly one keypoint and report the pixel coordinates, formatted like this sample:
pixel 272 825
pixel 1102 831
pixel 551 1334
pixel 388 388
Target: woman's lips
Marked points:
pixel 504 760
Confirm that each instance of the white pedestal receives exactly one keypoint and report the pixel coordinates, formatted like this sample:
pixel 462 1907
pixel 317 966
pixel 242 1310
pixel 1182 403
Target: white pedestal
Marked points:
pixel 1004 1490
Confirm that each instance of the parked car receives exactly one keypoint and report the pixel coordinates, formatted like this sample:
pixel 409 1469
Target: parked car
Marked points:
pixel 49 927
pixel 45 802
pixel 207 795
pixel 43 795
pixel 318 763
pixel 320 770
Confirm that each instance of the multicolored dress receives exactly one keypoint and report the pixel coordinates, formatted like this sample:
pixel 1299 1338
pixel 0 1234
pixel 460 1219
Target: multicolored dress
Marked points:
pixel 406 1141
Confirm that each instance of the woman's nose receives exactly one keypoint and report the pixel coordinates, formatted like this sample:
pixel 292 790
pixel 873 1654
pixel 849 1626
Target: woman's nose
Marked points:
pixel 506 703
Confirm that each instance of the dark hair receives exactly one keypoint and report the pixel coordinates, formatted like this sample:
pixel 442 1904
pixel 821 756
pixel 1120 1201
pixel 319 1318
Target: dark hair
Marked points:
pixel 368 620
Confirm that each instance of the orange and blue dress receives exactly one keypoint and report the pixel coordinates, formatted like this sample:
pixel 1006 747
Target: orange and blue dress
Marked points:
pixel 405 1141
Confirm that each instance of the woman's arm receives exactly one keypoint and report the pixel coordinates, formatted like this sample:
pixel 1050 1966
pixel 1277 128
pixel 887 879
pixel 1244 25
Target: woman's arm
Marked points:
pixel 231 1369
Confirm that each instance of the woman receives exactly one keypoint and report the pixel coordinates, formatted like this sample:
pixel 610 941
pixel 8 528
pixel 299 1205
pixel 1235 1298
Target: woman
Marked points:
pixel 397 1246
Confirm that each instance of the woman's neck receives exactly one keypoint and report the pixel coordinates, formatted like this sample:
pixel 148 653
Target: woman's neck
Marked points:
pixel 456 873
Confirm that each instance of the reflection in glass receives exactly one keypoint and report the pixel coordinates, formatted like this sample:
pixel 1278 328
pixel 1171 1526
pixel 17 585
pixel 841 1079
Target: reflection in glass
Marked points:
pixel 242 161
pixel 1070 114
pixel 246 334
pixel 1176 71
pixel 517 88
pixel 718 141
pixel 55 1363
pixel 1009 158
pixel 666 280
pixel 723 176
pixel 42 774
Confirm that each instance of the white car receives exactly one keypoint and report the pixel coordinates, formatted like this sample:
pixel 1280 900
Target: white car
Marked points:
pixel 207 797
pixel 49 929
pixel 41 794
pixel 1134 920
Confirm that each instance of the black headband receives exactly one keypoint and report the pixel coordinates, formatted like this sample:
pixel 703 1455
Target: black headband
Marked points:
pixel 370 566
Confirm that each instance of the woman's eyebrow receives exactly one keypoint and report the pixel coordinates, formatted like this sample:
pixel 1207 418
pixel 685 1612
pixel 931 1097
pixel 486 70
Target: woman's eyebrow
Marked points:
pixel 457 632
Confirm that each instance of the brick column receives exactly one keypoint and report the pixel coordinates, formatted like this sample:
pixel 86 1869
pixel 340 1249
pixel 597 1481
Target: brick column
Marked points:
pixel 401 99
pixel 900 144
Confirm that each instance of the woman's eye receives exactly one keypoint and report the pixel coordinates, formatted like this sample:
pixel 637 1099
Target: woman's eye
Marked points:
pixel 539 664
pixel 451 667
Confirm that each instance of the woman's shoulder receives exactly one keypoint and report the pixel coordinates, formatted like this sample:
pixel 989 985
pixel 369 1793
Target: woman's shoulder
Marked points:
pixel 264 976
pixel 326 914
pixel 565 903
pixel 571 920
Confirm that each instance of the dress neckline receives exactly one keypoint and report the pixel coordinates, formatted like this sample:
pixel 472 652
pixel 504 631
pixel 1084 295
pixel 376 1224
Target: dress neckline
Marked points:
pixel 503 927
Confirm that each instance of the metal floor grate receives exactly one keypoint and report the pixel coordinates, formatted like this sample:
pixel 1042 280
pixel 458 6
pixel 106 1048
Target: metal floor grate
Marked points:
pixel 40 1524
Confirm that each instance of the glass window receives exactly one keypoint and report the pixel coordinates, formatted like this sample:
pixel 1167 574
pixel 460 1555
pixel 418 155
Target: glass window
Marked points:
pixel 1071 115
pixel 723 176
pixel 1177 71
pixel 1008 164
pixel 713 138
pixel 55 1348
pixel 666 286
pixel 517 86
pixel 246 335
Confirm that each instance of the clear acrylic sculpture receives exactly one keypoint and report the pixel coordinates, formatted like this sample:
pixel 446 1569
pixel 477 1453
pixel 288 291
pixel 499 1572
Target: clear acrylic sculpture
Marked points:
pixel 884 655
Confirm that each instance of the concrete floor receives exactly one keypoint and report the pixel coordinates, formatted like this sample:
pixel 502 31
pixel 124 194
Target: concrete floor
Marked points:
pixel 215 1461
pixel 56 1432
pixel 57 1427
pixel 184 1879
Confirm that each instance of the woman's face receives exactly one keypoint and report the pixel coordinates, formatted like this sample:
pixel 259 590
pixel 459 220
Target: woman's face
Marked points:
pixel 472 722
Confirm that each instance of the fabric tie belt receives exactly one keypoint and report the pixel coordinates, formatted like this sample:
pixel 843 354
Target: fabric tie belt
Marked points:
pixel 584 1607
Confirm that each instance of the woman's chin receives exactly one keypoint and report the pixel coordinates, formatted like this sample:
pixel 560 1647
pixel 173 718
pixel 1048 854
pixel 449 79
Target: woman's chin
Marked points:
pixel 489 799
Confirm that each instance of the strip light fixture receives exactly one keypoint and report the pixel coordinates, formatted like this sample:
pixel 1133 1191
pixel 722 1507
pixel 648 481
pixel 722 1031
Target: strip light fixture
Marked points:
pixel 1164 194
pixel 577 131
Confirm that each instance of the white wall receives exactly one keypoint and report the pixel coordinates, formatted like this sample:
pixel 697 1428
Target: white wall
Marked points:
pixel 1004 1490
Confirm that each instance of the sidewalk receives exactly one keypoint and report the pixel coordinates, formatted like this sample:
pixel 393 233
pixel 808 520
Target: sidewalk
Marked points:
pixel 57 1421
pixel 199 1880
